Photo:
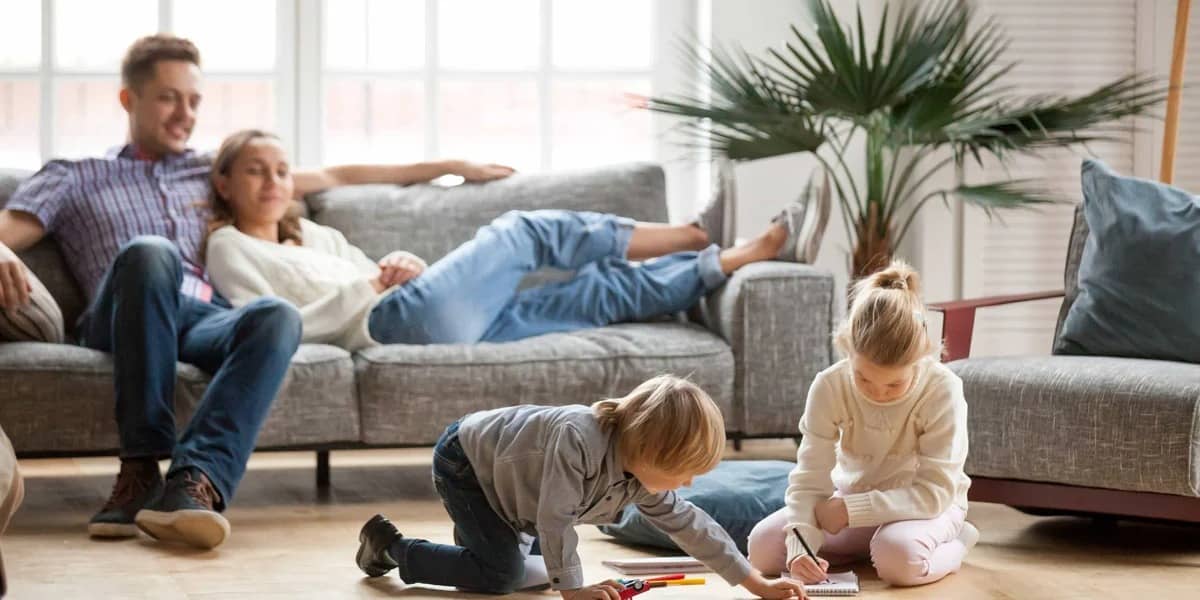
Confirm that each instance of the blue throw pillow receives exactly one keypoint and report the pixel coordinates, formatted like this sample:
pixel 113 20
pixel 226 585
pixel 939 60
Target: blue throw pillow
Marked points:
pixel 737 495
pixel 1139 276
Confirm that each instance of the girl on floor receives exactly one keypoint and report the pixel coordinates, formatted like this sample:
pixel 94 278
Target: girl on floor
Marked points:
pixel 879 472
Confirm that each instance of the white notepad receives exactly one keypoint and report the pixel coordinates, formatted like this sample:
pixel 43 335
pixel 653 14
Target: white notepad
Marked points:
pixel 658 565
pixel 838 584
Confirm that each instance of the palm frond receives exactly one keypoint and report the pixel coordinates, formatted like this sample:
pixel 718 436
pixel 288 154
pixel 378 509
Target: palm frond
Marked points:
pixel 1005 195
pixel 748 116
pixel 1020 126
pixel 989 197
pixel 837 74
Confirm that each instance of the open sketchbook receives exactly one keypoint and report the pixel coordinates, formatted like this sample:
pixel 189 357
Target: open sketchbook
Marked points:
pixel 838 584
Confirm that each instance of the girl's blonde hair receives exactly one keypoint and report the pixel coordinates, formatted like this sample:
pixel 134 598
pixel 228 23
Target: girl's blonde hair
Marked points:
pixel 222 212
pixel 668 424
pixel 886 320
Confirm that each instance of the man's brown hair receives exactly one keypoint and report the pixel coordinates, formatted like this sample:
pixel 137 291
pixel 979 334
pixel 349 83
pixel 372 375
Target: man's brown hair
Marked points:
pixel 138 65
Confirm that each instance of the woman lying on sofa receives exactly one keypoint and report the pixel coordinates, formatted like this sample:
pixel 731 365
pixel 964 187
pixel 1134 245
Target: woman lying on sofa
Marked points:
pixel 257 247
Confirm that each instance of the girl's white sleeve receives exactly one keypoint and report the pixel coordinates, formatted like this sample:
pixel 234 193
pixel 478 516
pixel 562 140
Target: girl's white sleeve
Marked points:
pixel 811 481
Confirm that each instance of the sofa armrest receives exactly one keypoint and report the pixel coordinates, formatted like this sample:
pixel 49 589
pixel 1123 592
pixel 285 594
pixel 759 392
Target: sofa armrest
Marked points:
pixel 777 317
pixel 959 319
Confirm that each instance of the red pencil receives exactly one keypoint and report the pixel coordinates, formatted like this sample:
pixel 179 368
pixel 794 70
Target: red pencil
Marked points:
pixel 668 577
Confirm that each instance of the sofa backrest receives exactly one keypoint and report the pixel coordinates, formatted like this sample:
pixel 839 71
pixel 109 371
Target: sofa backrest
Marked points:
pixel 1079 235
pixel 46 261
pixel 430 220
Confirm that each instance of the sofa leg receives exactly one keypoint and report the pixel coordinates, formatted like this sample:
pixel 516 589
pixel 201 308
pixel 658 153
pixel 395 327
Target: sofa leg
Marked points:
pixel 737 444
pixel 322 469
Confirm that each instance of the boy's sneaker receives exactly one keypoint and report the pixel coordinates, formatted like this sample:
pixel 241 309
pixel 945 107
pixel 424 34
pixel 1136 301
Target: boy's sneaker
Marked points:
pixel 138 482
pixel 719 217
pixel 374 540
pixel 184 512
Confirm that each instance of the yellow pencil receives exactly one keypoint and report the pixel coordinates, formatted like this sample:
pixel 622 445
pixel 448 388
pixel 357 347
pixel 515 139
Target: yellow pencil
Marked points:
pixel 690 581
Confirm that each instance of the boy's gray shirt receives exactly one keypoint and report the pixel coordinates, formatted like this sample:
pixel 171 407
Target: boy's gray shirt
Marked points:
pixel 546 469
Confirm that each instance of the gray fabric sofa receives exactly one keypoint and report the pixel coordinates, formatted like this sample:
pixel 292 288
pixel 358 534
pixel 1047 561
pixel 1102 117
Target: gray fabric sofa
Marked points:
pixel 1084 434
pixel 754 344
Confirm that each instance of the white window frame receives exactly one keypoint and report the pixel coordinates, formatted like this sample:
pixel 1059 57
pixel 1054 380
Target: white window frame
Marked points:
pixel 49 77
pixel 669 18
pixel 299 74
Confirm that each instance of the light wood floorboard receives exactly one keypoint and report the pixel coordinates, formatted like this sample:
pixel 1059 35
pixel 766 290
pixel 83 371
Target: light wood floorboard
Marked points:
pixel 289 542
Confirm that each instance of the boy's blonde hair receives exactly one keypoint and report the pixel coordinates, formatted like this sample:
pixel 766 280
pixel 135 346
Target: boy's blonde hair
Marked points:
pixel 668 423
pixel 886 320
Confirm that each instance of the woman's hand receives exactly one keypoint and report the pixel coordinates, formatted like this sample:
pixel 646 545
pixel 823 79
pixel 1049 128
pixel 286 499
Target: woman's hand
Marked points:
pixel 773 588
pixel 397 268
pixel 477 173
pixel 804 569
pixel 605 590
pixel 832 515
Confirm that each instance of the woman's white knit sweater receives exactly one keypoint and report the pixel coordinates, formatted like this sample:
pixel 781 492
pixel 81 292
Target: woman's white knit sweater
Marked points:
pixel 326 278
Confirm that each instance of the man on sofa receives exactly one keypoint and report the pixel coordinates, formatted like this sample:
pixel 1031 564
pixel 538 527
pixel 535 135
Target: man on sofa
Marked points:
pixel 130 226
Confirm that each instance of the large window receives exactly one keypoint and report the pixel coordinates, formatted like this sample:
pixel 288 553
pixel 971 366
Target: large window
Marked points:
pixel 60 64
pixel 538 84
pixel 534 83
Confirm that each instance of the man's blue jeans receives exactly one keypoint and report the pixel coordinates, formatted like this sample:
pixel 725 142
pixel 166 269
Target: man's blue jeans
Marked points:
pixel 489 555
pixel 471 294
pixel 140 316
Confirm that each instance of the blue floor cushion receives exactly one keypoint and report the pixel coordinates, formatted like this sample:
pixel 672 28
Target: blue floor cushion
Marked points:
pixel 737 494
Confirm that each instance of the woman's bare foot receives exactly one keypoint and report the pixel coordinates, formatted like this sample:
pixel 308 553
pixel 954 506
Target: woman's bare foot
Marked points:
pixel 764 247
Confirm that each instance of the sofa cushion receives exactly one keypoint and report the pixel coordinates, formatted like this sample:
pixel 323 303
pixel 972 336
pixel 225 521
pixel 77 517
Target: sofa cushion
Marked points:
pixel 431 220
pixel 1116 423
pixel 410 393
pixel 1137 285
pixel 59 398
pixel 316 404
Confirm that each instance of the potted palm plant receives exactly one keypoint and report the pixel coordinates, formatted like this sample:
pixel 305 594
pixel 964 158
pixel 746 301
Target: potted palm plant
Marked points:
pixel 924 97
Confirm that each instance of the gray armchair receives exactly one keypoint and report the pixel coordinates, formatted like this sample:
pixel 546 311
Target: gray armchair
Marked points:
pixel 1078 434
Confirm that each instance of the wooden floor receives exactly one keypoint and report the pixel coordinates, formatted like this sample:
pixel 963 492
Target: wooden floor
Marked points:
pixel 290 543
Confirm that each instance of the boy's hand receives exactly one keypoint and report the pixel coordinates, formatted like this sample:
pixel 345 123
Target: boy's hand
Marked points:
pixel 773 588
pixel 605 590
pixel 832 515
pixel 804 569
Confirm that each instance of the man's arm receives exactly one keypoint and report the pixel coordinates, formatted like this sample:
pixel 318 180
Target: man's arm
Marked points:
pixel 18 231
pixel 310 182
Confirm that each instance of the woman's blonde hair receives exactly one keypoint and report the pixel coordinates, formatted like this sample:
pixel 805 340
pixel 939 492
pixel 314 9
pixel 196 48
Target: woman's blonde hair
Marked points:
pixel 886 320
pixel 668 423
pixel 222 212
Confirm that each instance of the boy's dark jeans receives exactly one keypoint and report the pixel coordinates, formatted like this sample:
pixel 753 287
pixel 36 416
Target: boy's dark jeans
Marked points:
pixel 488 557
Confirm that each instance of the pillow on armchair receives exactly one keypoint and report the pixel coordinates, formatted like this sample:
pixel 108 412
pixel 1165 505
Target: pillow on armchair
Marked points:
pixel 1138 283
pixel 737 495
pixel 39 321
